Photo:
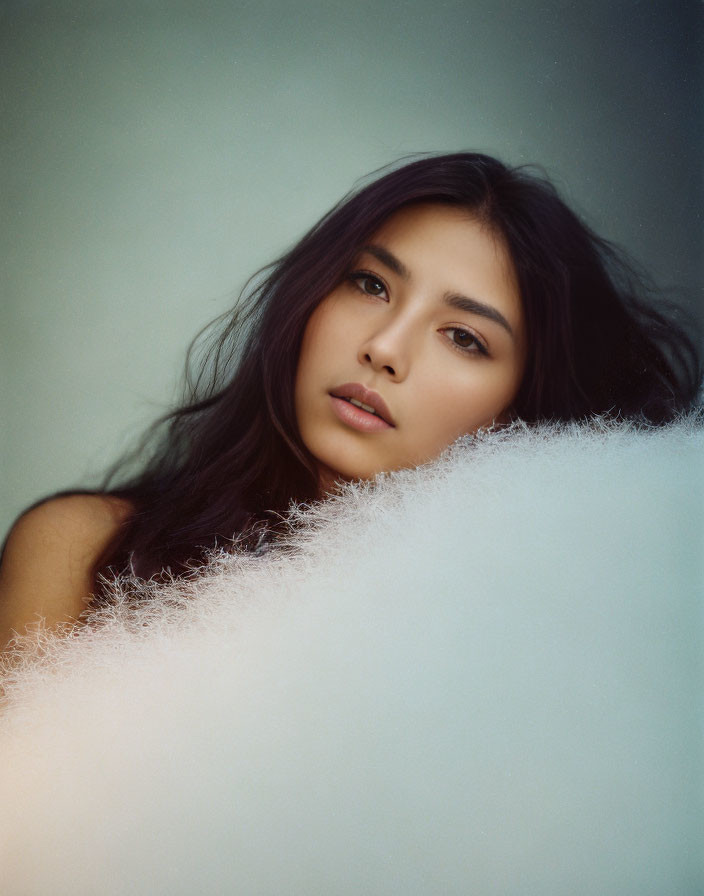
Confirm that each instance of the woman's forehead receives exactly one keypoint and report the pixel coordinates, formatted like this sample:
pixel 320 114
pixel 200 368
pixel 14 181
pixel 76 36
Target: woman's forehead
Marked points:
pixel 448 243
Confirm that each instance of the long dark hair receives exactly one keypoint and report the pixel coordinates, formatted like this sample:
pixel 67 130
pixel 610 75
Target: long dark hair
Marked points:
pixel 230 460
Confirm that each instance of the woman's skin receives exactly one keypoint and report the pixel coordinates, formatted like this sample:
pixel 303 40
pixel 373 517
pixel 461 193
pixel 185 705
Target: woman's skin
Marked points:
pixel 428 327
pixel 46 571
pixel 430 320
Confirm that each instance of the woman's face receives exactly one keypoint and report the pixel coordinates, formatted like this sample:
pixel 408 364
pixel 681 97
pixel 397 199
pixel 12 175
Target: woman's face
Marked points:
pixel 427 330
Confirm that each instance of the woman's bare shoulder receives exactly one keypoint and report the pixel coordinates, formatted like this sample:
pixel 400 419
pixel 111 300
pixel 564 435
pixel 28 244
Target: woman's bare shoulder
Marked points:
pixel 47 564
pixel 81 523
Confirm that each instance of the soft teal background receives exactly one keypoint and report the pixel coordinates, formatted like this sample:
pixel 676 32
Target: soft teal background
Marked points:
pixel 154 154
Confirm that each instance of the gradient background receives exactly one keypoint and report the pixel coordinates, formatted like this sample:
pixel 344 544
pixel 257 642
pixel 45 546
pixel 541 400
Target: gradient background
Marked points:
pixel 156 153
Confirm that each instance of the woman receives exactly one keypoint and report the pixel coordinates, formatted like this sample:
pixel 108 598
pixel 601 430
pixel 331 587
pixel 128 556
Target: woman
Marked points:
pixel 450 294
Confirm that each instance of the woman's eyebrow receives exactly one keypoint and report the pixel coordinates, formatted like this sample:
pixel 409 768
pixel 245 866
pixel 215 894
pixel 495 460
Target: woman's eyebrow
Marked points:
pixel 472 306
pixel 389 259
pixel 454 300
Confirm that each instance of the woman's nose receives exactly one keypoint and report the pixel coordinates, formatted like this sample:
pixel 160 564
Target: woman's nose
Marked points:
pixel 388 350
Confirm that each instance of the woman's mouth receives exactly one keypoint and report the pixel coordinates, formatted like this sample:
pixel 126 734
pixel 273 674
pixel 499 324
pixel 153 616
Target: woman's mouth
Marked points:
pixel 365 400
pixel 358 415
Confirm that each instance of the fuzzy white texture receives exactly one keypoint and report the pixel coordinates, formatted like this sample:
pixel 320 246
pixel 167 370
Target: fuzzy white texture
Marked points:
pixel 483 676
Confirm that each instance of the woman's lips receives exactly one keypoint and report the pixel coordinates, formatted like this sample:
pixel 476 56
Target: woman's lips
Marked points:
pixel 364 396
pixel 356 417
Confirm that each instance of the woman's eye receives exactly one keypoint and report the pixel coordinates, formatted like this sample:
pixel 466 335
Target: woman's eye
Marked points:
pixel 465 341
pixel 368 284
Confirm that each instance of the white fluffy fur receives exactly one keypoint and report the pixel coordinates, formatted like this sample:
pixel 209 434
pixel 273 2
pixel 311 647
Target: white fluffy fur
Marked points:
pixel 483 676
